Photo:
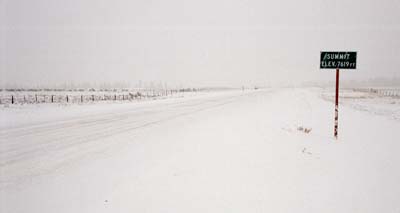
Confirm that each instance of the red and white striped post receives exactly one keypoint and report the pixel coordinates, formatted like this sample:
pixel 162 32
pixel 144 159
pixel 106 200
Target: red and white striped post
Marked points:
pixel 337 105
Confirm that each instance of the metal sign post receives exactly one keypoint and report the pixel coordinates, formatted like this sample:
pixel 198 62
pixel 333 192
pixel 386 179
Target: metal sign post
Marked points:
pixel 338 60
pixel 336 104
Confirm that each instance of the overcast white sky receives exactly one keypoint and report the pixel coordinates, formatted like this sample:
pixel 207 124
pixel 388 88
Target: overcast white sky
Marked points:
pixel 203 43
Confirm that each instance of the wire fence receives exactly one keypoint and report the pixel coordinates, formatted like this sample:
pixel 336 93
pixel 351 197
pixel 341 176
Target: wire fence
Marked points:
pixel 387 92
pixel 21 98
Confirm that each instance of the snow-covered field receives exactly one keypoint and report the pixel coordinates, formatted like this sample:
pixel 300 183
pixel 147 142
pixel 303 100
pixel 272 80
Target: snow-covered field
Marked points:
pixel 380 101
pixel 212 152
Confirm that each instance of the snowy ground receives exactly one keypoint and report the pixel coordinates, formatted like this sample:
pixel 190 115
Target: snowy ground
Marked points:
pixel 371 102
pixel 217 152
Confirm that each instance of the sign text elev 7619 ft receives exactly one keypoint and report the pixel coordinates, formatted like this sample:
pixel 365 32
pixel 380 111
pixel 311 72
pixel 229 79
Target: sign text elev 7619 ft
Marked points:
pixel 338 60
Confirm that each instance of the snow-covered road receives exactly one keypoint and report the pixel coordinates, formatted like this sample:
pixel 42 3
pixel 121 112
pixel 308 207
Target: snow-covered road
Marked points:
pixel 218 152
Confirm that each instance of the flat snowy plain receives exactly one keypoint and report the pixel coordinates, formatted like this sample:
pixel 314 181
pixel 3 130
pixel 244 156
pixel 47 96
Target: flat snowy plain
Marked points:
pixel 213 152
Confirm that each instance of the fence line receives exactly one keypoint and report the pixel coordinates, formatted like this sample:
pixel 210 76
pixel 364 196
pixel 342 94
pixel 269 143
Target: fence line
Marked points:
pixel 81 98
pixel 394 93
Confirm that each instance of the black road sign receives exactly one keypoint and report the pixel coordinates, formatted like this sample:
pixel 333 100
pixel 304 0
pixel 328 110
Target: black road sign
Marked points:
pixel 338 60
